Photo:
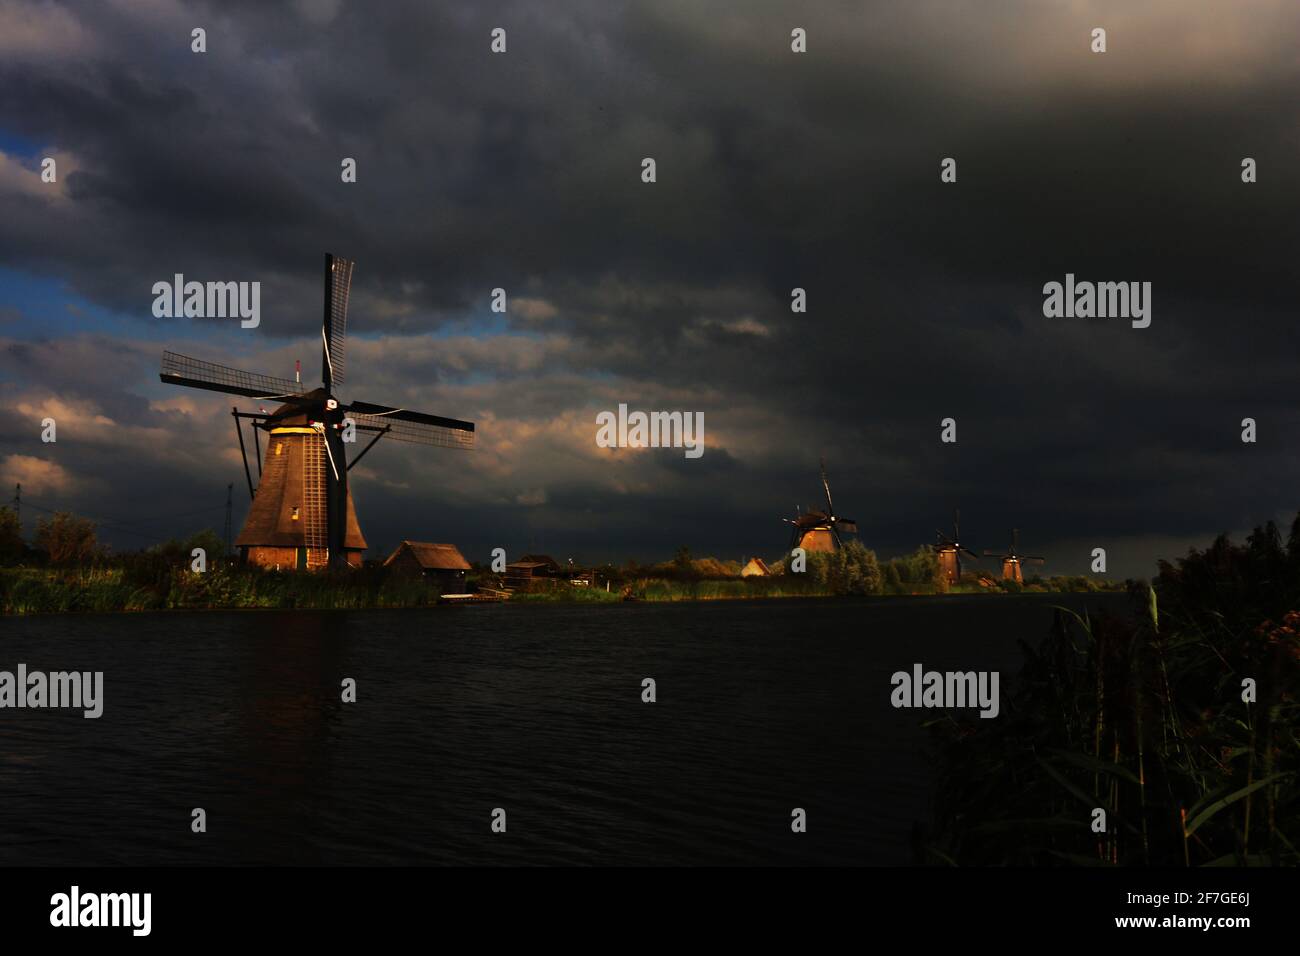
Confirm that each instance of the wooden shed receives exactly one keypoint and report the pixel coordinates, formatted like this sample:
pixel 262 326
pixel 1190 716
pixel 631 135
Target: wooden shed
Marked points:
pixel 530 575
pixel 441 564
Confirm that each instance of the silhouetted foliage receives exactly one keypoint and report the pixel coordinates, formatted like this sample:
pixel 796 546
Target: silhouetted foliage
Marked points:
pixel 1143 717
pixel 67 539
pixel 11 537
pixel 918 572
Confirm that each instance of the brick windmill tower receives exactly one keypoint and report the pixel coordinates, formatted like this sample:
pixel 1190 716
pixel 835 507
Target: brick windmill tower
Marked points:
pixel 302 514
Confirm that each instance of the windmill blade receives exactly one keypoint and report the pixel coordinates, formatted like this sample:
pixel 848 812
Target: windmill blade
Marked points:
pixel 969 552
pixel 995 554
pixel 415 427
pixel 830 507
pixel 847 525
pixel 184 370
pixel 334 326
pixel 1033 558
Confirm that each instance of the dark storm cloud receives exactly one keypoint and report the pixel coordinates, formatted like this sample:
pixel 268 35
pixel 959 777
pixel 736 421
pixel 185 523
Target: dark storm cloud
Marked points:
pixel 775 171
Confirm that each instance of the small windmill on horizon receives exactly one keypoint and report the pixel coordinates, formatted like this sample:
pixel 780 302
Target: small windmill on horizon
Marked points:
pixel 1013 559
pixel 949 549
pixel 302 514
pixel 820 530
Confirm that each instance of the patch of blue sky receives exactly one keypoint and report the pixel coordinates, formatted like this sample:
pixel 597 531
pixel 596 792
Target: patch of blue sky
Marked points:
pixel 21 147
pixel 44 307
pixel 47 308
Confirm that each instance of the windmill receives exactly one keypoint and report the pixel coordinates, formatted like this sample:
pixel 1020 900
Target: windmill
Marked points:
pixel 820 530
pixel 950 550
pixel 1013 559
pixel 302 513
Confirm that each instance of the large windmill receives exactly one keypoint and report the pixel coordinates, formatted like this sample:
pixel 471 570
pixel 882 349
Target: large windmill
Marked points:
pixel 820 530
pixel 950 550
pixel 302 513
pixel 1013 559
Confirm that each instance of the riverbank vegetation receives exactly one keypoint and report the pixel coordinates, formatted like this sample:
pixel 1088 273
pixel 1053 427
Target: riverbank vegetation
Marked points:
pixel 64 569
pixel 1181 723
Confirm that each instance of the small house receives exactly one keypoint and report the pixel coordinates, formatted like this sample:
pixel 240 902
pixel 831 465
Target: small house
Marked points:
pixel 440 564
pixel 552 566
pixel 530 576
pixel 755 567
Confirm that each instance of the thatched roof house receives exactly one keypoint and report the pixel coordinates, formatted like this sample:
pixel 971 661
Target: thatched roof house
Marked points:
pixel 442 563
pixel 755 567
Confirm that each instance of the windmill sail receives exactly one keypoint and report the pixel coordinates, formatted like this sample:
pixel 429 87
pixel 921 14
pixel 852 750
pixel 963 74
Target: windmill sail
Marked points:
pixel 405 425
pixel 180 369
pixel 334 328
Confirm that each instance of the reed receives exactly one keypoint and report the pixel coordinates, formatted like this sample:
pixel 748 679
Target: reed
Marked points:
pixel 1143 716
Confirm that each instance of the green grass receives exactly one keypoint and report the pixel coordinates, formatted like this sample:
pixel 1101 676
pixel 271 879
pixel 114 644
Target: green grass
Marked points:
pixel 53 591
pixel 149 584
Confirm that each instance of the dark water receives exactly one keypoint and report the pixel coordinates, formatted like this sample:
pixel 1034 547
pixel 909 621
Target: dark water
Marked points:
pixel 762 707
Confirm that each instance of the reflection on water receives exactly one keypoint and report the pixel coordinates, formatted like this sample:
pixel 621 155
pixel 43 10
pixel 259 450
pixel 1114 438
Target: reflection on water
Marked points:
pixel 762 707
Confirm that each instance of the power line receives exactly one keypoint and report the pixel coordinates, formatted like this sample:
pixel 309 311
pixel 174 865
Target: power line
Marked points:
pixel 110 523
pixel 166 517
pixel 152 535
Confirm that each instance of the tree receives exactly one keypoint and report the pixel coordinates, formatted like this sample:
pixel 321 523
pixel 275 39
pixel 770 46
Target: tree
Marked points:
pixel 854 570
pixel 893 580
pixel 11 537
pixel 213 545
pixel 683 564
pixel 66 538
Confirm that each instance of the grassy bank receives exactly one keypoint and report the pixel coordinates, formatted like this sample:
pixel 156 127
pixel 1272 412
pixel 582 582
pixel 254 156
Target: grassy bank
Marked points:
pixel 107 589
pixel 50 590
pixel 155 588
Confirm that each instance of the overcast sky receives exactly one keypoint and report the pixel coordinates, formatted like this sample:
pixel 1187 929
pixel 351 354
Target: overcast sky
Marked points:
pixel 775 170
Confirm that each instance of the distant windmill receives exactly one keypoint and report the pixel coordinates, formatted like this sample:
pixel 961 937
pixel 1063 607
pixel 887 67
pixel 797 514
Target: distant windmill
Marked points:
pixel 950 550
pixel 302 513
pixel 820 530
pixel 1013 559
